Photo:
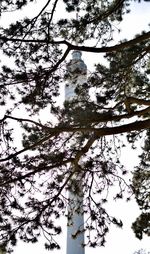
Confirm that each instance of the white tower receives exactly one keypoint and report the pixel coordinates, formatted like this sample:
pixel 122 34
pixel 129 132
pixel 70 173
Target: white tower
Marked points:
pixel 76 77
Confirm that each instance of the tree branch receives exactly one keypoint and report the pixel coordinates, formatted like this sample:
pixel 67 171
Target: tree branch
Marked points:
pixel 58 193
pixel 33 21
pixel 138 39
pixel 21 177
pixel 41 141
pixel 109 117
pixel 111 9
pixel 99 117
pixel 135 126
pixel 54 68
pixel 126 44
pixel 98 132
pixel 132 100
pixel 52 14
pixel 24 120
pixel 84 149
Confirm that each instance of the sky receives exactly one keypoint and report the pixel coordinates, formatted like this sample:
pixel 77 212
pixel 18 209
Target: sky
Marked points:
pixel 118 240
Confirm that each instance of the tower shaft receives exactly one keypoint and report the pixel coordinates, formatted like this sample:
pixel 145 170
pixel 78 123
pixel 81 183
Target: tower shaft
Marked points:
pixel 75 226
pixel 76 77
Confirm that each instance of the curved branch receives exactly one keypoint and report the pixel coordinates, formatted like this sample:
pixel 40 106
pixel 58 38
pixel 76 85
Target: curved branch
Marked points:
pixel 99 118
pixel 54 68
pixel 103 117
pixel 98 132
pixel 84 149
pixel 132 100
pixel 71 47
pixel 24 120
pixel 126 44
pixel 135 126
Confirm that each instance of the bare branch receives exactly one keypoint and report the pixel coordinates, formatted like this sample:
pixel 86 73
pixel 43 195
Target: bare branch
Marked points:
pixel 52 14
pixel 33 21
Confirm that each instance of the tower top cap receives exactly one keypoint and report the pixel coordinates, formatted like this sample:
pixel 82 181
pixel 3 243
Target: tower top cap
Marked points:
pixel 76 55
pixel 76 64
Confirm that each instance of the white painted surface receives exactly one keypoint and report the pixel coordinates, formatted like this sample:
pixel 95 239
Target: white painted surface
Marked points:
pixel 77 71
pixel 75 244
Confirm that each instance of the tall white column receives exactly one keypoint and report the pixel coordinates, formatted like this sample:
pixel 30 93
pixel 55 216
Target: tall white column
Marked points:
pixel 76 77
pixel 75 227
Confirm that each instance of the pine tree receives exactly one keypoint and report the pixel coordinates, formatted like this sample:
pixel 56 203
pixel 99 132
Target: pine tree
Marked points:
pixel 141 188
pixel 35 171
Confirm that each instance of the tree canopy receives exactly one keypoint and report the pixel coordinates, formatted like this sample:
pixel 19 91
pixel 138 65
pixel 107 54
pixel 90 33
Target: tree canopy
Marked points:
pixel 39 156
pixel 141 187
